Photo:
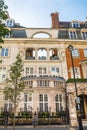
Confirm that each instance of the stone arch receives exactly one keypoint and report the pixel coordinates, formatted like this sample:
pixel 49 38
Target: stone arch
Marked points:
pixel 42 33
pixel 82 89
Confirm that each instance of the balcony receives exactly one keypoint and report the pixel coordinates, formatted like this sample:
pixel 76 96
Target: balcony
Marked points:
pixel 29 58
pixel 54 58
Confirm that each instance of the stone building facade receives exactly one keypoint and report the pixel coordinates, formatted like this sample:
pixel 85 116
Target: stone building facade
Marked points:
pixel 47 65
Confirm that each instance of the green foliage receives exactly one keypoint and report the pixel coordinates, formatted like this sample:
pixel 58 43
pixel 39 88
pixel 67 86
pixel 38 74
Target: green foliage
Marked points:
pixel 15 83
pixel 77 80
pixel 43 114
pixel 3 16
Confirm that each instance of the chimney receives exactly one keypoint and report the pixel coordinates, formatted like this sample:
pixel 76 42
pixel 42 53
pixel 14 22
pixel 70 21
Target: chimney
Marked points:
pixel 55 20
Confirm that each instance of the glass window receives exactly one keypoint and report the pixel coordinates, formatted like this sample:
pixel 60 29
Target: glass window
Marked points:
pixel 29 71
pixel 58 101
pixel 75 24
pixel 43 102
pixel 75 53
pixel 42 70
pixel 84 35
pixel 4 52
pixel 2 73
pixel 77 72
pixel 27 102
pixel 85 52
pixel 72 35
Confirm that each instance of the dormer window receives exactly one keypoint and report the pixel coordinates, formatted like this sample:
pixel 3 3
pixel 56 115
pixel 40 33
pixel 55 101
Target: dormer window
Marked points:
pixel 84 35
pixel 75 24
pixel 9 23
pixel 73 35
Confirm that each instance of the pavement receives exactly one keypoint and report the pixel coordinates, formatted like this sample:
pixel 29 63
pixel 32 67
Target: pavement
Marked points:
pixel 49 127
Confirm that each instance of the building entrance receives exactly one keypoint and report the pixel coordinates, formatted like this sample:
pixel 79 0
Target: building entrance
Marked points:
pixel 83 106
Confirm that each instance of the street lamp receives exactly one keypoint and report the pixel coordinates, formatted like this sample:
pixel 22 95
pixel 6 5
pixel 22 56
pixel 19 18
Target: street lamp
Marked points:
pixel 70 47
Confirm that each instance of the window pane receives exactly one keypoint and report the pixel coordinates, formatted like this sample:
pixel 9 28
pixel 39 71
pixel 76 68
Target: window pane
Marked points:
pixel 40 97
pixel 85 52
pixel 45 98
pixel 6 52
pixel 41 107
pixel 46 107
pixel 75 53
pixel 2 52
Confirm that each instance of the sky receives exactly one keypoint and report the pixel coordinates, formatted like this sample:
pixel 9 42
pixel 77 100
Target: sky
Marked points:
pixel 36 13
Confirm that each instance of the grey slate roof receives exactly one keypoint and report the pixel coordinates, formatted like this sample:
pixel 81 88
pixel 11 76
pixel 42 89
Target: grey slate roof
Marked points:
pixel 18 34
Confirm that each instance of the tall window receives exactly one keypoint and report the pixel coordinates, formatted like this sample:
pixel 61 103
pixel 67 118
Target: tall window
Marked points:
pixel 4 52
pixel 85 52
pixel 77 72
pixel 58 101
pixel 29 70
pixel 84 35
pixel 55 70
pixel 43 103
pixel 2 73
pixel 27 102
pixel 42 70
pixel 72 35
pixel 75 53
pixel 7 105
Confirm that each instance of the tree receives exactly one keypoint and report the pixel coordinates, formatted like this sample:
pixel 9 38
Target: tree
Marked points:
pixel 3 16
pixel 15 84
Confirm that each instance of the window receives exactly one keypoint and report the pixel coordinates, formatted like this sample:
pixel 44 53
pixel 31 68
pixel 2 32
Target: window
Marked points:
pixel 75 53
pixel 42 70
pixel 84 35
pixel 42 54
pixel 29 71
pixel 27 102
pixel 72 35
pixel 55 69
pixel 7 105
pixel 77 72
pixel 9 23
pixel 58 101
pixel 43 103
pixel 75 24
pixel 4 52
pixel 85 52
pixel 2 73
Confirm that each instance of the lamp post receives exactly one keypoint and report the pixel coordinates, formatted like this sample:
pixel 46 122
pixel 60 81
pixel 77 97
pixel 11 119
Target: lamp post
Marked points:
pixel 70 47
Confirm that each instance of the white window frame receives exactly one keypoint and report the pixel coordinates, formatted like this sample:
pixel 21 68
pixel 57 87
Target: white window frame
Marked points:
pixel 84 35
pixel 85 52
pixel 72 34
pixel 29 71
pixel 43 102
pixel 4 52
pixel 75 52
pixel 42 70
pixel 77 72
pixel 27 102
pixel 59 102
pixel 75 24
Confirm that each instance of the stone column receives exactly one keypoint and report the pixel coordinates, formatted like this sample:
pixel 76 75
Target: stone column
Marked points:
pixel 36 54
pixel 72 110
pixel 48 54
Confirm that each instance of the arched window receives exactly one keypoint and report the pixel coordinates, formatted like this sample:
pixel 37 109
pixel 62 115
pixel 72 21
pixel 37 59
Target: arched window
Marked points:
pixel 41 35
pixel 30 54
pixel 42 54
pixel 54 54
